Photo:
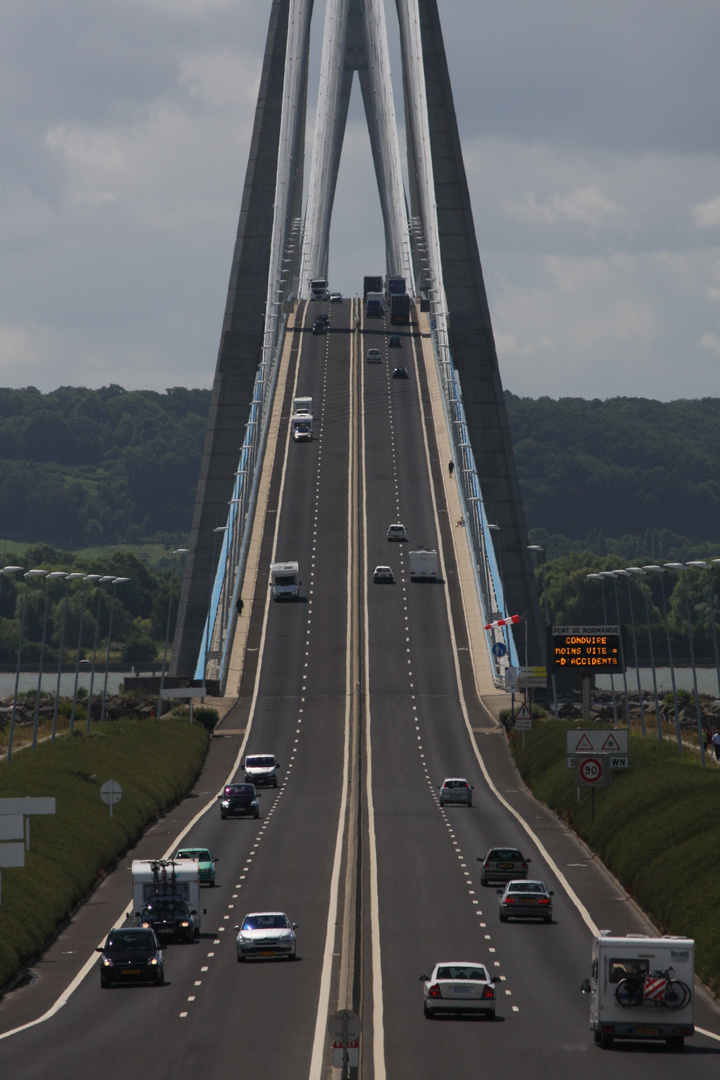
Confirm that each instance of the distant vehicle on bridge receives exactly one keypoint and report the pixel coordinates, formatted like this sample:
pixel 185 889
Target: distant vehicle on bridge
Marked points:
pixel 374 305
pixel 319 289
pixel 395 286
pixel 372 284
pixel 400 309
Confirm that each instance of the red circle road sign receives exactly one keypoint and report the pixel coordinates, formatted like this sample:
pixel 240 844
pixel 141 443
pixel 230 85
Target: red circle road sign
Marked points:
pixel 591 770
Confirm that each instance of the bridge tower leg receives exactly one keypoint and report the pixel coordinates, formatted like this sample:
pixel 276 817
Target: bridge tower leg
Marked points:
pixel 240 347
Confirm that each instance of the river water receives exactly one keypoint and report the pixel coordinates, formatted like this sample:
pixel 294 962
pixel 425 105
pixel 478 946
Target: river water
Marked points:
pixel 706 679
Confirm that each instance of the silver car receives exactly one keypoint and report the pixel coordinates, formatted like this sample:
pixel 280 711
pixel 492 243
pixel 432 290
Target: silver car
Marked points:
pixel 455 789
pixel 396 532
pixel 459 986
pixel 525 900
pixel 374 356
pixel 266 934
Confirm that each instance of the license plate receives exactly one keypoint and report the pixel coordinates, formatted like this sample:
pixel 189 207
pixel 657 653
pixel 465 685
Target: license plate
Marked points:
pixel 647 1031
pixel 266 952
pixel 526 900
pixel 131 971
pixel 461 989
pixel 505 866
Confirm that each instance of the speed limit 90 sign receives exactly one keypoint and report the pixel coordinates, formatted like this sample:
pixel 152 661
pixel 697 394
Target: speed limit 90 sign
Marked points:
pixel 592 770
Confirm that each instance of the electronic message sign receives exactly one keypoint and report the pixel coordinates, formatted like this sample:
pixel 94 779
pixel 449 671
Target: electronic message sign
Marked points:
pixel 586 649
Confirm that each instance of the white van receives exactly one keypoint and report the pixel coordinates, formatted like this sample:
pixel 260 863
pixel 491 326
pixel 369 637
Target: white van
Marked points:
pixel 641 987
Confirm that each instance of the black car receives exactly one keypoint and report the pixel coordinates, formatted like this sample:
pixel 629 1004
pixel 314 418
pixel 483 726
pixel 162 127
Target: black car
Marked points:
pixel 241 799
pixel 319 328
pixel 400 372
pixel 131 956
pixel 169 917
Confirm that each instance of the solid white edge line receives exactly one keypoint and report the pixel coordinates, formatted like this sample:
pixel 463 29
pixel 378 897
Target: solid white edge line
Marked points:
pixel 92 960
pixel 323 1008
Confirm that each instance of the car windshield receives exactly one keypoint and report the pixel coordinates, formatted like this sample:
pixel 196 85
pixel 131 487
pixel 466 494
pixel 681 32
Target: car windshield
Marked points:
pixel 456 783
pixel 260 761
pixel 265 922
pixel 201 854
pixel 462 971
pixel 171 906
pixel 240 789
pixel 505 855
pixel 124 940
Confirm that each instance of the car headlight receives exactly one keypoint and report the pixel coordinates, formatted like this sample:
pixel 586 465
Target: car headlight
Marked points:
pixel 153 961
pixel 225 802
pixel 185 923
pixel 254 802
pixel 106 961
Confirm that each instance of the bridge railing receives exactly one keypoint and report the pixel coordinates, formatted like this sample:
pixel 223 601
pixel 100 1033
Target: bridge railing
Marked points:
pixel 215 653
pixel 485 561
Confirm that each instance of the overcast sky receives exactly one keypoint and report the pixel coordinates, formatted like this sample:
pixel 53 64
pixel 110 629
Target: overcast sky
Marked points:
pixel 590 134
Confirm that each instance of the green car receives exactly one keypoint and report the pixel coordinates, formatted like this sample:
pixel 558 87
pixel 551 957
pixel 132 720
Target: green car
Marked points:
pixel 205 860
pixel 394 342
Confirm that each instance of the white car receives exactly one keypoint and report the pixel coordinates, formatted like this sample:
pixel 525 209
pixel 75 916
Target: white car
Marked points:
pixel 455 789
pixel 383 574
pixel 459 986
pixel 526 900
pixel 397 532
pixel 265 934
pixel 374 356
pixel 261 769
pixel 335 297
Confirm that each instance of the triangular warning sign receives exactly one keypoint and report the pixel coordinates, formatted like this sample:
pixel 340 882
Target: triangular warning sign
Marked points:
pixel 523 713
pixel 611 743
pixel 584 744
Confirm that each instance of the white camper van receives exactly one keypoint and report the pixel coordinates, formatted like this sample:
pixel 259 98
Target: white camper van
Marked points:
pixel 166 879
pixel 641 987
pixel 284 581
pixel 423 565
pixel 301 425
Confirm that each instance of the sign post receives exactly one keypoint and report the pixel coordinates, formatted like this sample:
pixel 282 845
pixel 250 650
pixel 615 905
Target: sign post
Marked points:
pixel 345 1027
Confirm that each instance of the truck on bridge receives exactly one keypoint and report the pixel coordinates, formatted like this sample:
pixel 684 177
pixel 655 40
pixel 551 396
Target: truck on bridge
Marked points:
pixel 400 309
pixel 284 582
pixel 374 305
pixel 372 283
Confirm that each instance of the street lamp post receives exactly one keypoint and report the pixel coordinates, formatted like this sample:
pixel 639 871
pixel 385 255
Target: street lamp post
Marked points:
pixel 68 579
pixel 541 559
pixel 601 579
pixel 611 574
pixel 28 575
pixel 706 566
pixel 498 529
pixel 101 581
pixel 639 571
pixel 628 575
pixel 682 568
pixel 116 581
pixel 86 578
pixel 178 551
pixel 36 719
pixel 659 570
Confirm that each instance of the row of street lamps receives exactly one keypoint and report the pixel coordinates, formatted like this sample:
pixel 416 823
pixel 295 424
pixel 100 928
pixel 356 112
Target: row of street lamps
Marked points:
pixel 638 573
pixel 56 575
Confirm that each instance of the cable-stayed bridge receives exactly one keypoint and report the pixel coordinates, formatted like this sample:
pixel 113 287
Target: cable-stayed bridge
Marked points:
pixel 282 244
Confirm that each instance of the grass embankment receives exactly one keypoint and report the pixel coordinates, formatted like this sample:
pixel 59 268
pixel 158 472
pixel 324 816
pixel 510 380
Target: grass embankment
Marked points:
pixel 155 761
pixel 657 828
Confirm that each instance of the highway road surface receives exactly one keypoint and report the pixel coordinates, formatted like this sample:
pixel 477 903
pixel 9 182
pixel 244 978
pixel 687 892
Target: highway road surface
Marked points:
pixel 364 693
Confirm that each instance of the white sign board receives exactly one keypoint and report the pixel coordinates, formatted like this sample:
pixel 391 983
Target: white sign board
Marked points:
pixel 594 741
pixel 592 771
pixel 12 827
pixel 27 806
pixel 523 719
pixel 12 855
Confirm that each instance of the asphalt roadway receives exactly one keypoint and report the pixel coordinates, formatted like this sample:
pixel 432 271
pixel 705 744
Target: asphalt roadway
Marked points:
pixel 365 694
